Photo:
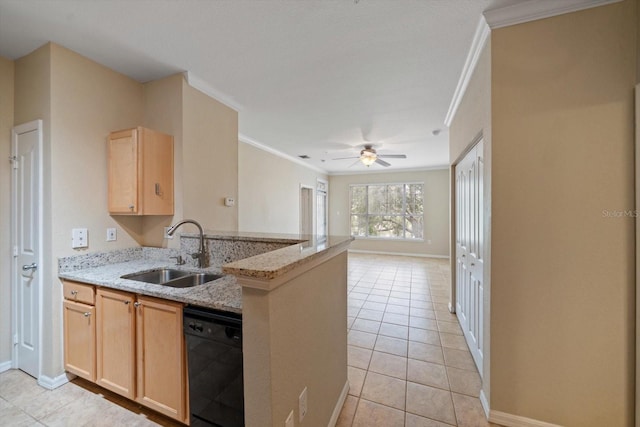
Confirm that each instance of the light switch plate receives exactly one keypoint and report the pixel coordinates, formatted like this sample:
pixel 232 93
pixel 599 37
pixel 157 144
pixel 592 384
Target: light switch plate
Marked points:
pixel 79 238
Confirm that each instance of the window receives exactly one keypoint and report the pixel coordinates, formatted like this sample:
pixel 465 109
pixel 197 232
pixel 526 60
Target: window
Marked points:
pixel 389 211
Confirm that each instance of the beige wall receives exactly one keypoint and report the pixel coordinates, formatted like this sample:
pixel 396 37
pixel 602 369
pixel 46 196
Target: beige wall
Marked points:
pixel 295 338
pixel 473 119
pixel 562 313
pixel 6 123
pixel 210 160
pixel 163 112
pixel 269 197
pixel 79 171
pixel 436 205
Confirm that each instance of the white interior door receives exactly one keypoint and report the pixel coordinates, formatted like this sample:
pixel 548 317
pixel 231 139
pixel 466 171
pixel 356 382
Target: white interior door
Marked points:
pixel 26 239
pixel 469 250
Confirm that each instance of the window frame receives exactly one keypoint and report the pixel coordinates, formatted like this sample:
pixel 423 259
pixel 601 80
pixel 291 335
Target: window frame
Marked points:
pixel 403 215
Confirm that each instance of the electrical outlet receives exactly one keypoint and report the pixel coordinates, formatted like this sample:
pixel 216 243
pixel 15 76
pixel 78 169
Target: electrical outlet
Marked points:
pixel 111 235
pixel 302 404
pixel 289 421
pixel 79 238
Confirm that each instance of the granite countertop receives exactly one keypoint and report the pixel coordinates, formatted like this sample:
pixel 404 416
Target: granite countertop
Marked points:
pixel 106 268
pixel 222 294
pixel 271 265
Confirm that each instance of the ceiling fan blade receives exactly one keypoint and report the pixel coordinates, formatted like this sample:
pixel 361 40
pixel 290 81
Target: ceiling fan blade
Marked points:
pixel 346 158
pixel 354 163
pixel 393 156
pixel 382 162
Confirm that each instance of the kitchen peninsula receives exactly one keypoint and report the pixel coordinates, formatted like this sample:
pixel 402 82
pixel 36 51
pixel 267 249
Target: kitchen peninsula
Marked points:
pixel 291 291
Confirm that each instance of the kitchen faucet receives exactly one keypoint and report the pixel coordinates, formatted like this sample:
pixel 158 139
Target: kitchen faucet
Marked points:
pixel 200 256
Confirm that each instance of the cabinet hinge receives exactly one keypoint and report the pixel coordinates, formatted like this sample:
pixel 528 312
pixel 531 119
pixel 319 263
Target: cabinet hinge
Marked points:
pixel 15 251
pixel 14 161
pixel 15 339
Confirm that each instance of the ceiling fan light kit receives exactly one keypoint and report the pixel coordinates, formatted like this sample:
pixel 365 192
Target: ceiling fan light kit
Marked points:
pixel 369 156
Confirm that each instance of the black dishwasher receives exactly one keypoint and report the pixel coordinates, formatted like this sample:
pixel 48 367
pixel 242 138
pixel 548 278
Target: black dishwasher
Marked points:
pixel 214 357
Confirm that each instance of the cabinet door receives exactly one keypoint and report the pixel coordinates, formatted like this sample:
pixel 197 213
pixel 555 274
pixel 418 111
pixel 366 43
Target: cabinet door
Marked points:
pixel 80 339
pixel 157 172
pixel 115 346
pixel 123 172
pixel 160 357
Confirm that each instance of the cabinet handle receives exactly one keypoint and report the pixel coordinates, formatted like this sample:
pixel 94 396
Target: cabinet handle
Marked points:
pixel 131 207
pixel 126 302
pixel 158 193
pixel 87 314
pixel 137 304
pixel 74 293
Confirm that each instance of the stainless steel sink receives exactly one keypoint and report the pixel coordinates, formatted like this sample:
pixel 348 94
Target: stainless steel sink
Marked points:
pixel 157 276
pixel 172 277
pixel 192 280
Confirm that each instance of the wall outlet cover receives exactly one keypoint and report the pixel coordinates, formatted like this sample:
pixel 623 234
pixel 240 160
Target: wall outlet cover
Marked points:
pixel 302 403
pixel 111 235
pixel 289 421
pixel 79 238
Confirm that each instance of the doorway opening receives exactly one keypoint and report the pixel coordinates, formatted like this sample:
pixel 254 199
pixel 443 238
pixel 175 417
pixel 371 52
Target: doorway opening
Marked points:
pixel 306 210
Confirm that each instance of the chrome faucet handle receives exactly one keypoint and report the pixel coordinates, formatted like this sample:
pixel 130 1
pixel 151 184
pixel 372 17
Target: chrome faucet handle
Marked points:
pixel 179 260
pixel 200 256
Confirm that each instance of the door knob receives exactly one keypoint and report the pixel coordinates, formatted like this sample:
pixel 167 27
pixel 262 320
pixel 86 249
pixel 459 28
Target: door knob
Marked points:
pixel 33 266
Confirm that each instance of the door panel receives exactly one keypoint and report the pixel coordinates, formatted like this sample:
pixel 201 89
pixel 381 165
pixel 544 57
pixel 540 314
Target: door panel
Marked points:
pixel 469 250
pixel 26 229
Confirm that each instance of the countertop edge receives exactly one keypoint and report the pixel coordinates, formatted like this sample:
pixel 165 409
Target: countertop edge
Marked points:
pixel 263 268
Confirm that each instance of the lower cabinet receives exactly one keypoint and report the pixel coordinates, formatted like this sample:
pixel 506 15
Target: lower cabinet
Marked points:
pixel 115 336
pixel 79 329
pixel 161 357
pixel 132 345
pixel 80 339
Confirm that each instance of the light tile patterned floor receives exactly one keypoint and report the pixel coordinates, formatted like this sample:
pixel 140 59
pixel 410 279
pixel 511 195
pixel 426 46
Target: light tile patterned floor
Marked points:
pixel 409 364
pixel 23 403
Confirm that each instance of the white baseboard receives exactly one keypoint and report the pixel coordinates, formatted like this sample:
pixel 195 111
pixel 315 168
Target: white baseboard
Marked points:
pixel 360 251
pixel 53 383
pixel 5 366
pixel 339 405
pixel 509 420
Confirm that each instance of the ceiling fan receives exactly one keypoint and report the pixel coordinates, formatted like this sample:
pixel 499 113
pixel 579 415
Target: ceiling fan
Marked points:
pixel 369 156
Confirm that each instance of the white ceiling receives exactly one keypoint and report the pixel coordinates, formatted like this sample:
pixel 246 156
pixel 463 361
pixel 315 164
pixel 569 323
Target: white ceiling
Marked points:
pixel 310 77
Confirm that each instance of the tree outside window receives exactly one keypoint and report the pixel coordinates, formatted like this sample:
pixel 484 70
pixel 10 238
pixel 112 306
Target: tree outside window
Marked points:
pixel 392 211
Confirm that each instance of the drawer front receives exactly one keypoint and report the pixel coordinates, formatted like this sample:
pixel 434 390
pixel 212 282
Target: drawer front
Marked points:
pixel 79 292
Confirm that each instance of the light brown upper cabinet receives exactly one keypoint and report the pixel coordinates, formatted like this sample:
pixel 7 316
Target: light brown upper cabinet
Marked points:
pixel 140 172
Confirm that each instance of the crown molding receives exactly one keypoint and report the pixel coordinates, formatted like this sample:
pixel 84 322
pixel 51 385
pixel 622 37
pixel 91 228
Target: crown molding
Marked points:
pixel 477 44
pixel 199 84
pixel 260 146
pixel 519 13
pixel 537 9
